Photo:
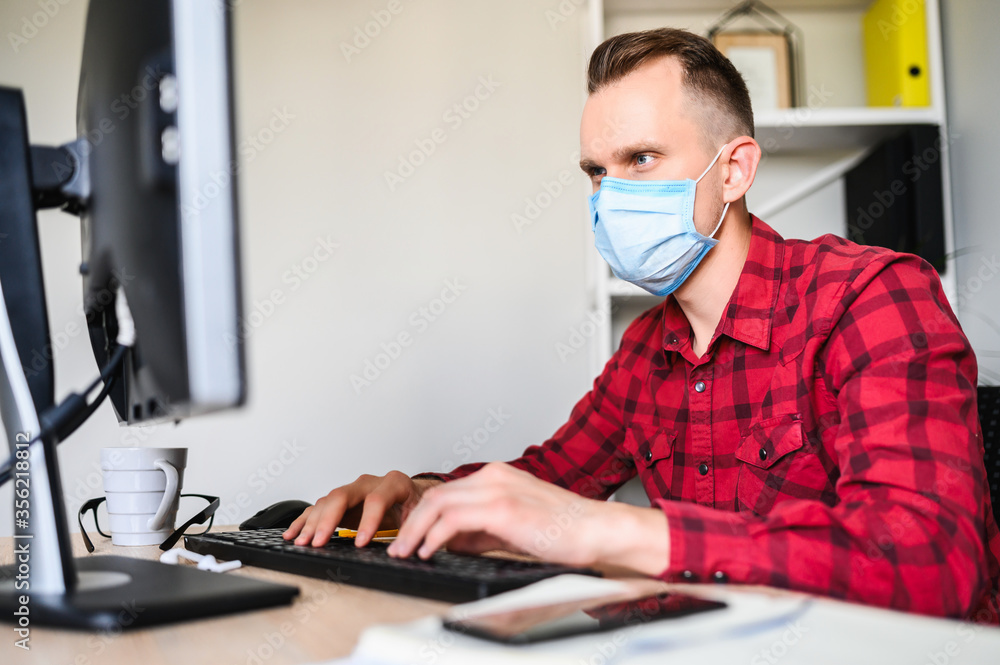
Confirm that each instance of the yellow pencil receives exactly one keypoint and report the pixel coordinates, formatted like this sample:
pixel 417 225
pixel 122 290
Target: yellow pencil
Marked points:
pixel 350 533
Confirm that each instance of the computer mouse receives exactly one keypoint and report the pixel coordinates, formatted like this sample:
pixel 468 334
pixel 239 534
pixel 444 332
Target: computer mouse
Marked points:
pixel 277 515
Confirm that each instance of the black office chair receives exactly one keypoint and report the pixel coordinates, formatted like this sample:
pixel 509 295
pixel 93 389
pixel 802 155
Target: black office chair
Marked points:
pixel 989 416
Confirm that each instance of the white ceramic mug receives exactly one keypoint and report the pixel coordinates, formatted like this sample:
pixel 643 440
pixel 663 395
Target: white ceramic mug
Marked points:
pixel 143 488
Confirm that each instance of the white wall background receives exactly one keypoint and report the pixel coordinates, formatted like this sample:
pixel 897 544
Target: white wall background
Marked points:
pixel 323 176
pixel 972 54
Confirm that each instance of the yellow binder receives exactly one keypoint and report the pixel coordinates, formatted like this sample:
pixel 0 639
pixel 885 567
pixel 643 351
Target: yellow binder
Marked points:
pixel 896 53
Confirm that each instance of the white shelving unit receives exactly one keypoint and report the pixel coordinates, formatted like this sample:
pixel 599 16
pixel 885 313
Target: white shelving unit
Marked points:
pixel 807 149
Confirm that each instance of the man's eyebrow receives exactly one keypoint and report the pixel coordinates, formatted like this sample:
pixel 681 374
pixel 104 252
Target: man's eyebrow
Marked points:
pixel 624 153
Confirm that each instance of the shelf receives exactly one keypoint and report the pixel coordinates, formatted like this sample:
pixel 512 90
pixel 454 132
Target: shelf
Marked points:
pixel 722 5
pixel 800 129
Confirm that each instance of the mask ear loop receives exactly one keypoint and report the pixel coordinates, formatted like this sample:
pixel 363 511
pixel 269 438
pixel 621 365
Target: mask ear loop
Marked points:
pixel 709 168
pixel 703 173
pixel 717 226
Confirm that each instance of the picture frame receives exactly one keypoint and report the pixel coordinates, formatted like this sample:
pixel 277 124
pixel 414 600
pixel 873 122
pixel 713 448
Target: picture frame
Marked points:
pixel 765 61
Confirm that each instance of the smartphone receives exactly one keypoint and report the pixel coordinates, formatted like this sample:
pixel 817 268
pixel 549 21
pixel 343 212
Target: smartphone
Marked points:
pixel 556 620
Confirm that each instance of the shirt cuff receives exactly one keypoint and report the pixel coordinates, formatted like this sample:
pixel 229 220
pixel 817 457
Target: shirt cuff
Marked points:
pixel 708 545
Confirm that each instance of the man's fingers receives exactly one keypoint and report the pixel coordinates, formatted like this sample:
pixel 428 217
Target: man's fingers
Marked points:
pixel 453 521
pixel 374 510
pixel 309 528
pixel 379 512
pixel 328 520
pixel 368 503
pixel 411 533
pixel 429 510
pixel 323 519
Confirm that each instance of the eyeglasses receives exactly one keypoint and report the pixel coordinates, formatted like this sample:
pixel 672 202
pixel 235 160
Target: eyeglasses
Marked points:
pixel 207 513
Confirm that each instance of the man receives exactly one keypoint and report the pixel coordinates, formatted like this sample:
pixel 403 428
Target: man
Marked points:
pixel 801 414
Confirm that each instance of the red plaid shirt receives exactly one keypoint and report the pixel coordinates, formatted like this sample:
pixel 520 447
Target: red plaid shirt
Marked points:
pixel 827 441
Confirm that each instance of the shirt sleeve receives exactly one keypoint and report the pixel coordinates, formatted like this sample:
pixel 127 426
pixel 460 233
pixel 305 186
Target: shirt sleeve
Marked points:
pixel 586 454
pixel 907 528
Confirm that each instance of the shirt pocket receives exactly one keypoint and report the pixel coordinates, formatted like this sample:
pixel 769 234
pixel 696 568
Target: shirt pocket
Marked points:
pixel 767 457
pixel 651 447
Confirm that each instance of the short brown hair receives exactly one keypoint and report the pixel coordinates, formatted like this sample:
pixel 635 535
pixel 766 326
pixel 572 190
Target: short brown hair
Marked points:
pixel 709 76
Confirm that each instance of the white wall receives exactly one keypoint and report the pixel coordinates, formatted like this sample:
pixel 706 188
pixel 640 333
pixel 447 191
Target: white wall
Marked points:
pixel 972 54
pixel 323 176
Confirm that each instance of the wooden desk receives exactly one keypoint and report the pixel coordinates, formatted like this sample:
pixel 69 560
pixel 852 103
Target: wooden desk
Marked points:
pixel 327 619
pixel 324 622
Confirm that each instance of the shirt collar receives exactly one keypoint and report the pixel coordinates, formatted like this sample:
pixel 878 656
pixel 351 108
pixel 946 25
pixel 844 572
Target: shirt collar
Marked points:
pixel 747 317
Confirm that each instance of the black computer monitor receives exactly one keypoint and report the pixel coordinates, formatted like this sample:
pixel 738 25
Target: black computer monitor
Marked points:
pixel 154 115
pixel 152 175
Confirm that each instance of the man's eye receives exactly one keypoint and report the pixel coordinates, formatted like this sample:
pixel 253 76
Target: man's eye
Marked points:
pixel 597 172
pixel 642 160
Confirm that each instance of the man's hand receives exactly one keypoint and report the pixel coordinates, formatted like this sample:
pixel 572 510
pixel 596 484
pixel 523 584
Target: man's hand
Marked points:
pixel 503 507
pixel 370 502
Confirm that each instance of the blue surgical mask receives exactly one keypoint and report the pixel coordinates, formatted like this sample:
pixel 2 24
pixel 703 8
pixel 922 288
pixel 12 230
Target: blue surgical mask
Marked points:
pixel 645 230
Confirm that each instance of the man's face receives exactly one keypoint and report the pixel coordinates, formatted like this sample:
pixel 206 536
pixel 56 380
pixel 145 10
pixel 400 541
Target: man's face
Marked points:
pixel 644 127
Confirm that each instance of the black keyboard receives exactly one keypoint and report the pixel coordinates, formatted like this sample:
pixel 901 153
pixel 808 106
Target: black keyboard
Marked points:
pixel 445 576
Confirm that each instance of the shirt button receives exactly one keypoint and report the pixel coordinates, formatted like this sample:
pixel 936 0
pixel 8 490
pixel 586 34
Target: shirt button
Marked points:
pixel 699 387
pixel 763 454
pixel 720 577
pixel 649 455
pixel 703 468
pixel 673 339
pixel 687 576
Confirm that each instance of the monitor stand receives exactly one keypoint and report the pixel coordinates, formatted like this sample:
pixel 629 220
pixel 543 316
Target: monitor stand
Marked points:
pixel 45 585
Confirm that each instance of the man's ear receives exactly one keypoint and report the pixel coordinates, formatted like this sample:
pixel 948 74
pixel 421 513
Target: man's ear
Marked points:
pixel 739 166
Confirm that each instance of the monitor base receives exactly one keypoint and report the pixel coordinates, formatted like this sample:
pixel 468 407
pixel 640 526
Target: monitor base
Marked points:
pixel 116 593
